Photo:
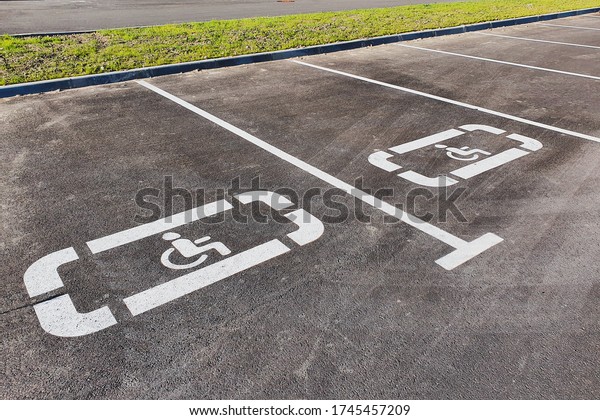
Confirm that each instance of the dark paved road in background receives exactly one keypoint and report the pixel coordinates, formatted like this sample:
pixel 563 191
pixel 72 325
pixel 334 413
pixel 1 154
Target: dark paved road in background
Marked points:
pixel 67 15
pixel 359 309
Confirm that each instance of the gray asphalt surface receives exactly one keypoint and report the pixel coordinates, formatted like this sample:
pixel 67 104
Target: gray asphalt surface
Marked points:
pixel 23 16
pixel 363 311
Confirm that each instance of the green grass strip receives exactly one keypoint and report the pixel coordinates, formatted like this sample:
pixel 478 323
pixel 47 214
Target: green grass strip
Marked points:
pixel 42 58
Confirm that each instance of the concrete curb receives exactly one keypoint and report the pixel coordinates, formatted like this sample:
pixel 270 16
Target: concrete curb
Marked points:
pixel 147 72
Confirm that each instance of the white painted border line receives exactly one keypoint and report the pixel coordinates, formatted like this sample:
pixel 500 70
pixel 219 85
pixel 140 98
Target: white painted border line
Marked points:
pixel 196 280
pixel 539 40
pixel 567 73
pixel 453 102
pixel 167 223
pixel 464 250
pixel 569 26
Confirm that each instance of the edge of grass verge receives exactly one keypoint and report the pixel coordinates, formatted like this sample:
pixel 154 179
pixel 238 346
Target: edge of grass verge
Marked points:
pixel 101 53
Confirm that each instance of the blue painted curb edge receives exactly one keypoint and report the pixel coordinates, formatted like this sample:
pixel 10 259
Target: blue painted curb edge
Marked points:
pixel 146 72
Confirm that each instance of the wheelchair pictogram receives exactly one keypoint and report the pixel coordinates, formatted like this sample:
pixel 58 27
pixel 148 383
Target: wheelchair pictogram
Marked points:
pixel 526 145
pixel 464 153
pixel 189 249
pixel 60 317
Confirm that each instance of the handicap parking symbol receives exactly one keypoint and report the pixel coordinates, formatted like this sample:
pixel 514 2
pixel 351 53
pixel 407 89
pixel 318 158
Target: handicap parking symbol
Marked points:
pixel 208 262
pixel 479 160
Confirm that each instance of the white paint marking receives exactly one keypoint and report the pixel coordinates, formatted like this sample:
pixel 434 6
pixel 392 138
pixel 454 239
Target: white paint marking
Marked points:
pixel 181 286
pixel 489 163
pixel 152 228
pixel 59 317
pixel 391 210
pixel 380 159
pixel 490 60
pixel 417 178
pixel 466 172
pixel 42 276
pixel 310 228
pixel 480 127
pixel 453 102
pixel 539 40
pixel 273 200
pixel 426 141
pixel 474 248
pixel 569 26
pixel 527 142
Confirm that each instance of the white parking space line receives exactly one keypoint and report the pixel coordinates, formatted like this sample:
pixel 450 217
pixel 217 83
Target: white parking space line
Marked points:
pixel 569 26
pixel 567 73
pixel 464 250
pixel 539 40
pixel 453 102
pixel 186 284
pixel 485 165
pixel 162 225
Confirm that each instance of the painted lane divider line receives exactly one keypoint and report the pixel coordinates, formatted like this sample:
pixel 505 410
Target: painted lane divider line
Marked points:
pixel 453 102
pixel 491 60
pixel 463 250
pixel 539 40
pixel 569 26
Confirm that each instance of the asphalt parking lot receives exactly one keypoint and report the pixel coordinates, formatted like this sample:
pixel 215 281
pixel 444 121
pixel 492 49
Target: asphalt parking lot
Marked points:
pixel 490 292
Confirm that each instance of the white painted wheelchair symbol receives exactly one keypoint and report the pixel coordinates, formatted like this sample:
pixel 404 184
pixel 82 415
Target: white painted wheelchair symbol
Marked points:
pixel 58 315
pixel 189 249
pixel 464 153
pixel 526 145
